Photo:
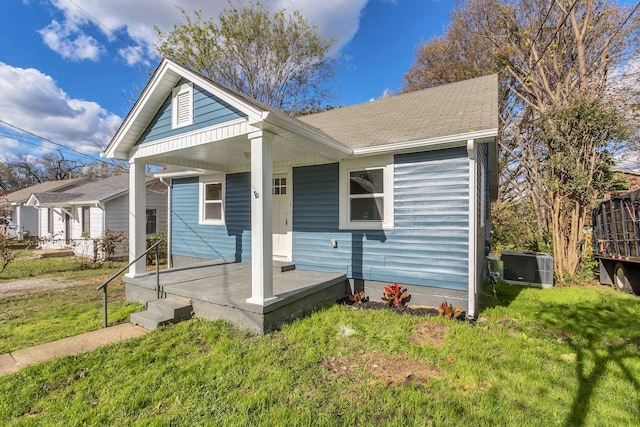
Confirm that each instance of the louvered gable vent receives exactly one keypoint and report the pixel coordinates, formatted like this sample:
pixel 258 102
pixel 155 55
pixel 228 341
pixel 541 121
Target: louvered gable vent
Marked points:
pixel 182 105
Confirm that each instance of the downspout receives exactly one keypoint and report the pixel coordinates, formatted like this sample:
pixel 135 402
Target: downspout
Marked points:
pixel 104 218
pixel 473 212
pixel 169 257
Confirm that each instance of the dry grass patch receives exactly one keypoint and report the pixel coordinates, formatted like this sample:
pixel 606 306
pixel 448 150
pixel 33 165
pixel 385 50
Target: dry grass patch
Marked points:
pixel 430 333
pixel 395 370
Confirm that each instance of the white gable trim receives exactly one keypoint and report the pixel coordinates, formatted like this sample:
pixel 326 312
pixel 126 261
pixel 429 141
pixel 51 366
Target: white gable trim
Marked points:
pixel 153 96
pixel 191 139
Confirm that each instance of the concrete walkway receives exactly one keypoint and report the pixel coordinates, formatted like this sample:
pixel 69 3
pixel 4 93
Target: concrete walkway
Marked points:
pixel 13 362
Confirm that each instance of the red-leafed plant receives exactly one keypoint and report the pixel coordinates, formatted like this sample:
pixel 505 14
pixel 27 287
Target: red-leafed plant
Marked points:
pixel 395 295
pixel 357 298
pixel 448 310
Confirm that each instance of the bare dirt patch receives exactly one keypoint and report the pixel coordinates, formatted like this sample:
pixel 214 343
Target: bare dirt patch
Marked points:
pixel 395 370
pixel 430 333
pixel 28 286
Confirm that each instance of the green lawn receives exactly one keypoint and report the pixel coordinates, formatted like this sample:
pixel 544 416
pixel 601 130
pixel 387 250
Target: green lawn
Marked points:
pixel 36 318
pixel 565 356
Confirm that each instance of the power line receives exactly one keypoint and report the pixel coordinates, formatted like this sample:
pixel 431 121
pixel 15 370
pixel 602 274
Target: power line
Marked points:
pixel 49 141
pixel 634 10
pixel 97 21
pixel 550 41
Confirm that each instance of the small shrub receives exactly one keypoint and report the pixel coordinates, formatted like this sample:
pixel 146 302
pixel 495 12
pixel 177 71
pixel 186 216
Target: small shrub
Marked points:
pixel 448 310
pixel 6 254
pixel 357 298
pixel 108 244
pixel 395 295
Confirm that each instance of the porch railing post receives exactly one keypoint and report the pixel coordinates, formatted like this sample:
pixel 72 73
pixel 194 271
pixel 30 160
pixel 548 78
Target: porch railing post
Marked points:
pixel 104 300
pixel 158 272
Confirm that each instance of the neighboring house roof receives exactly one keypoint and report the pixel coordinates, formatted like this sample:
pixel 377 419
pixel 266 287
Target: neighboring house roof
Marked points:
pixel 54 198
pixel 452 109
pixel 22 195
pixel 94 192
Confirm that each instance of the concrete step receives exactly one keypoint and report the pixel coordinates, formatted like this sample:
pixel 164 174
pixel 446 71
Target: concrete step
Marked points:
pixel 175 307
pixel 163 312
pixel 149 319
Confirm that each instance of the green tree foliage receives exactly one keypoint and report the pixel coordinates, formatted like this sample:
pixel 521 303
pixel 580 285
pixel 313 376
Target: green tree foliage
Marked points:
pixel 277 58
pixel 555 60
pixel 578 140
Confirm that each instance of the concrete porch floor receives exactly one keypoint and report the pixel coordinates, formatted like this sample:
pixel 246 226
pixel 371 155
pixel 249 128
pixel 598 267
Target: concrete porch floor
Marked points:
pixel 219 290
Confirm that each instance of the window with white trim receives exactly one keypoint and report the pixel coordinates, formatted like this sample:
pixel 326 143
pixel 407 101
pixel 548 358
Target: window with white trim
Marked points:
pixel 366 194
pixel 152 221
pixel 212 201
pixel 86 220
pixel 182 106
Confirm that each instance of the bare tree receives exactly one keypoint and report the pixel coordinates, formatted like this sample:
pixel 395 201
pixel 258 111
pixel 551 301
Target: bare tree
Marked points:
pixel 554 58
pixel 277 58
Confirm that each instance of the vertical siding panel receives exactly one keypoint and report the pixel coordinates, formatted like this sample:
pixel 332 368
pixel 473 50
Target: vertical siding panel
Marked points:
pixel 315 220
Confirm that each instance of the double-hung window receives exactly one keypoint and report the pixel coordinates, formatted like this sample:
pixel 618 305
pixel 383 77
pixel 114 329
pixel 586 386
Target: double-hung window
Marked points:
pixel 86 220
pixel 366 194
pixel 212 201
pixel 152 221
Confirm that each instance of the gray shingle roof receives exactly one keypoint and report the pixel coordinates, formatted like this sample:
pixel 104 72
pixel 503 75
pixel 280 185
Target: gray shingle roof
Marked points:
pixel 452 109
pixel 48 186
pixel 93 192
pixel 53 198
pixel 102 190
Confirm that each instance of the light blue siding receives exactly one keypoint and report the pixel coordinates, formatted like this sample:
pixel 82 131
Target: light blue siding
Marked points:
pixel 208 110
pixel 231 242
pixel 429 243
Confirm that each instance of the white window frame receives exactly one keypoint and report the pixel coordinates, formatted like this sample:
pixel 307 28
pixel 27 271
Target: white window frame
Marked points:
pixel 86 220
pixel 155 215
pixel 186 88
pixel 378 162
pixel 211 179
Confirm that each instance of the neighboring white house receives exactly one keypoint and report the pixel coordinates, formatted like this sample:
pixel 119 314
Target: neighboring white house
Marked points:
pixel 26 217
pixel 77 217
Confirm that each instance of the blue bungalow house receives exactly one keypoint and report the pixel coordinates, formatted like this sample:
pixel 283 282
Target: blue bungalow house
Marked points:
pixel 393 190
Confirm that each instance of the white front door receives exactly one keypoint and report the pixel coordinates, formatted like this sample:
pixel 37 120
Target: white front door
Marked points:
pixel 281 217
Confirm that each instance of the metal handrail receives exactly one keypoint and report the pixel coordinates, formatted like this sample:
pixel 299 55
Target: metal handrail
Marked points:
pixel 105 285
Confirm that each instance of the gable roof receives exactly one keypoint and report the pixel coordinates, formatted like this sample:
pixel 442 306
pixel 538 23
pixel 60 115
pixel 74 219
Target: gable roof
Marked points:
pixel 22 195
pixel 469 106
pixel 447 113
pixel 94 192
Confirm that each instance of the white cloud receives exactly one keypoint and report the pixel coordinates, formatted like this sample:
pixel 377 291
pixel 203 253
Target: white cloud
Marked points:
pixel 31 100
pixel 134 20
pixel 70 43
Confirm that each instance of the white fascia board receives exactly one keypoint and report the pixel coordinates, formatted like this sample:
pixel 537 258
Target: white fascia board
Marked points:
pixel 113 150
pixel 167 67
pixel 439 142
pixel 32 201
pixel 298 129
pixel 177 174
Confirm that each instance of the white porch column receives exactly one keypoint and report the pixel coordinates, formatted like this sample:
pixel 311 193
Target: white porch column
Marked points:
pixel 261 212
pixel 473 218
pixel 137 217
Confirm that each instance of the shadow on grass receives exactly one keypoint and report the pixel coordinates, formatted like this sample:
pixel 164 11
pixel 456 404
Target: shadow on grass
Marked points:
pixel 601 332
pixel 505 292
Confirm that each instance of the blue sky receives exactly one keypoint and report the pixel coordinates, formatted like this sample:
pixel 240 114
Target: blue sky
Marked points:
pixel 71 78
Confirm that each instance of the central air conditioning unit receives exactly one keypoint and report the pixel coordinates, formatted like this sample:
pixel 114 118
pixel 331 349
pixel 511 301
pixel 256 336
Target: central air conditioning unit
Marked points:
pixel 528 268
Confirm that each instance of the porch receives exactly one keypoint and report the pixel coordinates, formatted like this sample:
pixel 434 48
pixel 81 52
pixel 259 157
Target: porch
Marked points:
pixel 220 290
